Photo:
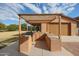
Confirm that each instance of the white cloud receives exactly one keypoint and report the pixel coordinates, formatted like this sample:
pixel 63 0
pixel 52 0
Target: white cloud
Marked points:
pixel 45 10
pixel 70 9
pixel 15 7
pixel 34 8
pixel 10 11
pixel 7 14
pixel 64 8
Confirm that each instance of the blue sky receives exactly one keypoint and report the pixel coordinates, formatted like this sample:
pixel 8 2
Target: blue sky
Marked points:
pixel 8 12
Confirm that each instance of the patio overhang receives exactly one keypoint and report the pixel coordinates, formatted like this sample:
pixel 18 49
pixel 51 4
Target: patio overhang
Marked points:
pixel 41 18
pixel 38 18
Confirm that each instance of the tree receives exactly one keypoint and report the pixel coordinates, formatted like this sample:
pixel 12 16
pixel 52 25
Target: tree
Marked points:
pixel 2 26
pixel 24 26
pixel 12 27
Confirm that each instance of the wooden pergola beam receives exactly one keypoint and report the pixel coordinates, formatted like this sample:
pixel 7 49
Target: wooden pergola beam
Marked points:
pixel 20 26
pixel 19 31
pixel 59 27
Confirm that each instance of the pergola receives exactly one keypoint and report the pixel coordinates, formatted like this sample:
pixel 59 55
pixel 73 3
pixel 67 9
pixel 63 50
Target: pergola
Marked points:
pixel 30 19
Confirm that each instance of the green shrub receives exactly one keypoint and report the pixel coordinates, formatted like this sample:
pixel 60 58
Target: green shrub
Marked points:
pixel 12 27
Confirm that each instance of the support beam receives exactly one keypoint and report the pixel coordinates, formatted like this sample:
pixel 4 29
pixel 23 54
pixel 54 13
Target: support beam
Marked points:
pixel 59 27
pixel 19 31
pixel 19 26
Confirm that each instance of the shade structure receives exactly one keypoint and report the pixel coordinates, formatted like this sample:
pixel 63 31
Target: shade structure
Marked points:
pixel 58 22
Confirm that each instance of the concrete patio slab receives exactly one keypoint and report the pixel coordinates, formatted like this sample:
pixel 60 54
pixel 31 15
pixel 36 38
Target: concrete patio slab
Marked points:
pixel 72 47
pixel 11 50
pixel 41 52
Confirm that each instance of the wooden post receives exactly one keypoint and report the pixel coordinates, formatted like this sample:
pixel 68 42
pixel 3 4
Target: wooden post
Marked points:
pixel 59 27
pixel 19 32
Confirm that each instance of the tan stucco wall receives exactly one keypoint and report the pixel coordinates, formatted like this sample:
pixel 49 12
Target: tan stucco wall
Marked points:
pixel 54 29
pixel 72 26
pixel 43 27
pixel 25 44
pixel 53 43
pixel 73 29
